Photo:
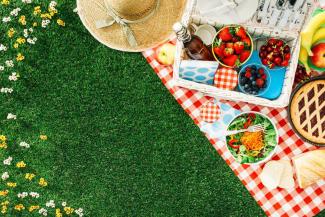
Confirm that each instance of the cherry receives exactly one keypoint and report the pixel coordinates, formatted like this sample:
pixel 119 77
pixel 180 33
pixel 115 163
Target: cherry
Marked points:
pixel 279 43
pixel 278 61
pixel 265 62
pixel 263 48
pixel 287 56
pixel 286 49
pixel 285 63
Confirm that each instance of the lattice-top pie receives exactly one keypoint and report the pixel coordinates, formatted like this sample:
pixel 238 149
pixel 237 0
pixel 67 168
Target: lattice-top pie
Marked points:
pixel 307 111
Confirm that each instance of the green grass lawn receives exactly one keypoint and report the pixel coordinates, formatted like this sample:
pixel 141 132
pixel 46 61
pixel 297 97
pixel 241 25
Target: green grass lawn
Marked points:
pixel 119 144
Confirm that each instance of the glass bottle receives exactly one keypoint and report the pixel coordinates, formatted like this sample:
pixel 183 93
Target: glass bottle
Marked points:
pixel 194 46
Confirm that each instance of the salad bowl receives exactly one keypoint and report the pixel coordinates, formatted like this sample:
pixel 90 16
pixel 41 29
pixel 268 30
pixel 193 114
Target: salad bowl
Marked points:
pixel 252 148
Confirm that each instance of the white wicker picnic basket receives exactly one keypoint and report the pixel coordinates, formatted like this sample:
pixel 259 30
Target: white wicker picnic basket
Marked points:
pixel 257 30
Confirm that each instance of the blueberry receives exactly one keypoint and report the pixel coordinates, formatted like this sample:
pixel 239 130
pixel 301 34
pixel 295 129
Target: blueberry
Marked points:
pixel 254 92
pixel 246 86
pixel 254 83
pixel 254 67
pixel 258 75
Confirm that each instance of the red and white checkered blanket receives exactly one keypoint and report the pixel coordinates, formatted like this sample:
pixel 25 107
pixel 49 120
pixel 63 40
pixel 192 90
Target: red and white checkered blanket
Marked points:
pixel 278 202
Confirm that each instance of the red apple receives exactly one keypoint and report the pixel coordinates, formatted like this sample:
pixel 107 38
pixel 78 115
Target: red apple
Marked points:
pixel 319 55
pixel 166 54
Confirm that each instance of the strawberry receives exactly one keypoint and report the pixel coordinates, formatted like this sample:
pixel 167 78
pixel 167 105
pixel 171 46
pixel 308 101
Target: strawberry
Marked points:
pixel 240 31
pixel 244 55
pixel 247 41
pixel 225 34
pixel 260 82
pixel 228 51
pixel 230 45
pixel 239 47
pixel 219 50
pixel 231 61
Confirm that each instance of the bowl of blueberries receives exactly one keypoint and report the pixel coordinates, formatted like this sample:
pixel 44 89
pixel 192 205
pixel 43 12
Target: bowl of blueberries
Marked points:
pixel 254 79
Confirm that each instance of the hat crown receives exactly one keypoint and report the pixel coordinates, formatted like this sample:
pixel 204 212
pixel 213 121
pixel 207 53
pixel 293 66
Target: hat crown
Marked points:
pixel 133 9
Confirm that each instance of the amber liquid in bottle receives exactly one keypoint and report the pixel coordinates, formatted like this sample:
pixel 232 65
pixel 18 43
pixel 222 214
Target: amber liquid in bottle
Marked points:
pixel 193 45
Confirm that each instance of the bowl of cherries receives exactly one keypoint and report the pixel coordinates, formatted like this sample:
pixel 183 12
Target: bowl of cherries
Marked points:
pixel 254 79
pixel 275 53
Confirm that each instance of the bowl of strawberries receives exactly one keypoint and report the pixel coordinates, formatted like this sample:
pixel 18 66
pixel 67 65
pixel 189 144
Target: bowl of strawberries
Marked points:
pixel 232 46
pixel 275 53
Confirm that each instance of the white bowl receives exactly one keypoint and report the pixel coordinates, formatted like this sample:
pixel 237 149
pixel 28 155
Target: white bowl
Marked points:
pixel 276 132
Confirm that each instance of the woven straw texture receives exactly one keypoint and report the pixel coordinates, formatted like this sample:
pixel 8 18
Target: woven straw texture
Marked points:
pixel 149 33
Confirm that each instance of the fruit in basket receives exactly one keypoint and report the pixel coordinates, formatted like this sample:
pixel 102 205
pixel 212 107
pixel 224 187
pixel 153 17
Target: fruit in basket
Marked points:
pixel 319 55
pixel 301 75
pixel 240 32
pixel 166 54
pixel 231 60
pixel 308 33
pixel 275 53
pixel 232 46
pixel 253 79
pixel 228 52
pixel 303 55
pixel 239 47
pixel 225 34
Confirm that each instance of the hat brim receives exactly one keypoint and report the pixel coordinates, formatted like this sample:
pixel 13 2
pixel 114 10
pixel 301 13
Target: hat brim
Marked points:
pixel 156 30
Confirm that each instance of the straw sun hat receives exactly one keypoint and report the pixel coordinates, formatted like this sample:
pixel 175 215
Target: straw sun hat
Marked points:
pixel 130 25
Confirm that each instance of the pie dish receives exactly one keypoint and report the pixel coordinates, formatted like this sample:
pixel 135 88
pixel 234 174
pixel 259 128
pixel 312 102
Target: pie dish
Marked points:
pixel 307 111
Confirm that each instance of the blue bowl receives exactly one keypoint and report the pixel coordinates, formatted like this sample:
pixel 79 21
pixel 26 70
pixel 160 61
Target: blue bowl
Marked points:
pixel 268 79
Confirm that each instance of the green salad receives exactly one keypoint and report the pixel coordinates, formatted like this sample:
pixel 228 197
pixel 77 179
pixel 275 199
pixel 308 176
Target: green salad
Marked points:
pixel 250 147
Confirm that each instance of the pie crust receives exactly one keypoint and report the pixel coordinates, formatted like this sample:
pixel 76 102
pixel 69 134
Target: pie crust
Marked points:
pixel 307 111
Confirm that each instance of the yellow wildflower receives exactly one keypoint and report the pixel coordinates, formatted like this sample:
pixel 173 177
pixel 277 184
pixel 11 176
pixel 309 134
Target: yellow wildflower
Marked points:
pixel 4 209
pixel 21 164
pixel 46 16
pixel 5 2
pixel 3 145
pixel 21 40
pixel 58 213
pixel 60 22
pixel 12 184
pixel 35 24
pixel 32 208
pixel 5 203
pixel 22 20
pixel 20 57
pixel 37 10
pixel 3 138
pixel 4 193
pixel 68 210
pixel 52 10
pixel 16 45
pixel 19 207
pixel 42 182
pixel 43 137
pixel 29 176
pixel 11 32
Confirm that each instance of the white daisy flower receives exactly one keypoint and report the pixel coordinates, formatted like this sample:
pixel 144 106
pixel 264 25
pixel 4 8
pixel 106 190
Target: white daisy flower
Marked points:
pixel 22 195
pixel 3 48
pixel 26 1
pixel 6 19
pixel 5 176
pixel 7 161
pixel 50 204
pixel 6 90
pixel 34 194
pixel 53 4
pixel 45 23
pixel 43 211
pixel 15 12
pixel 79 212
pixel 64 203
pixel 2 68
pixel 11 116
pixel 10 63
pixel 24 145
pixel 13 76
